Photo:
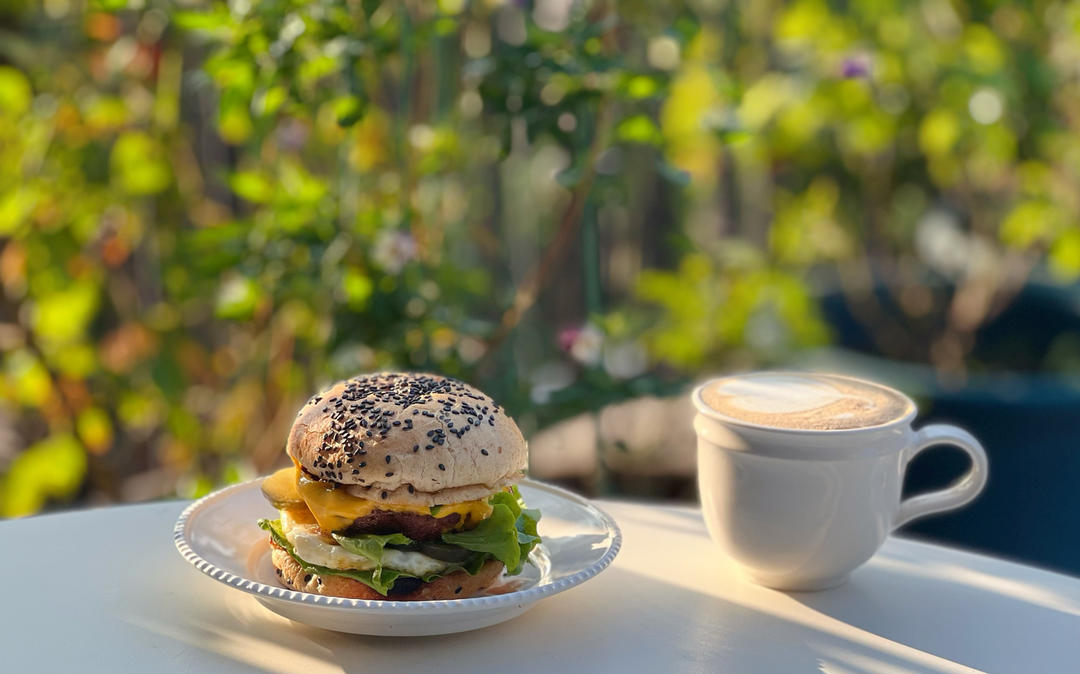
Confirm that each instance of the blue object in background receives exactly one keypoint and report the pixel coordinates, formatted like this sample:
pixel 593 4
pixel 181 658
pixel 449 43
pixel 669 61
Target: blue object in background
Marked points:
pixel 1028 422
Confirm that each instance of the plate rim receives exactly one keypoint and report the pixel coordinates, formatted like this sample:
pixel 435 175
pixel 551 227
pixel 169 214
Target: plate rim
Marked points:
pixel 517 597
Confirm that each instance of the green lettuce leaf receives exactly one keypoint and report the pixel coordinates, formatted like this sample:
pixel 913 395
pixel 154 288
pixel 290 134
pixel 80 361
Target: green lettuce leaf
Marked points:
pixel 371 546
pixel 495 535
pixel 508 535
pixel 380 579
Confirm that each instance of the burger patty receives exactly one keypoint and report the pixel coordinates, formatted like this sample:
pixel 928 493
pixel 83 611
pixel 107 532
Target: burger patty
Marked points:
pixel 415 526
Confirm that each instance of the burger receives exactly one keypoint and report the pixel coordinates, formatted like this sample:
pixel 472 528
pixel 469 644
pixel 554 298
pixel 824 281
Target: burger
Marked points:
pixel 403 487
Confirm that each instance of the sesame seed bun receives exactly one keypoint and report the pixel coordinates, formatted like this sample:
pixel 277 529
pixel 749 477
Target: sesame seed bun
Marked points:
pixel 456 585
pixel 408 438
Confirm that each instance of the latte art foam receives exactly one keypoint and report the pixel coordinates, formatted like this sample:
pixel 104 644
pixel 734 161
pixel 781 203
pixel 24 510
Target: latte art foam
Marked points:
pixel 817 402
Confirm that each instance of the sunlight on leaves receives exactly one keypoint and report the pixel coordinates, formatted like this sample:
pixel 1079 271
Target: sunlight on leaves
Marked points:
pixel 51 469
pixel 237 298
pixel 15 93
pixel 138 164
pixel 64 315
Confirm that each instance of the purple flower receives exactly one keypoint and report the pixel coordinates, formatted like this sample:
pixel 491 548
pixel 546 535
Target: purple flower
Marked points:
pixel 855 66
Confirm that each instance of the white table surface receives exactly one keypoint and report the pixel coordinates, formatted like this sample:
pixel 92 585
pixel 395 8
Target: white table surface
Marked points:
pixel 105 590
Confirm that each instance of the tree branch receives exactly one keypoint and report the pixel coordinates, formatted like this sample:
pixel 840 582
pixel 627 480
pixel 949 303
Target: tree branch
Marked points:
pixel 537 278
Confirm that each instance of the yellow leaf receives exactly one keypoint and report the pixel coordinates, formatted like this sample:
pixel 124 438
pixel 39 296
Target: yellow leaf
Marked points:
pixel 31 381
pixel 63 316
pixel 358 288
pixel 15 92
pixel 983 49
pixel 1065 255
pixel 765 98
pixel 95 429
pixel 938 132
pixel 1028 223
pixel 51 469
pixel 139 165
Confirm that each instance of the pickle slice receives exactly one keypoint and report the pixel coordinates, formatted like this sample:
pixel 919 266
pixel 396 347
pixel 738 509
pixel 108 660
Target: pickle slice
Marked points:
pixel 280 489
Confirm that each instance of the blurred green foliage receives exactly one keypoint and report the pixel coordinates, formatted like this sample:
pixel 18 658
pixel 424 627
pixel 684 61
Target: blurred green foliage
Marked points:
pixel 210 209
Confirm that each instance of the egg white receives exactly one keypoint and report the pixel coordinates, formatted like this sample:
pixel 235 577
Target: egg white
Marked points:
pixel 310 547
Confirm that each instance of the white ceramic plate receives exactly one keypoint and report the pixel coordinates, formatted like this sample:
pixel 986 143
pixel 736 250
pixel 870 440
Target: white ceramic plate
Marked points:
pixel 219 536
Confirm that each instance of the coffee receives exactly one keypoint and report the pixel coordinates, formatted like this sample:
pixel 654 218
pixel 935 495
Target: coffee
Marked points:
pixel 805 401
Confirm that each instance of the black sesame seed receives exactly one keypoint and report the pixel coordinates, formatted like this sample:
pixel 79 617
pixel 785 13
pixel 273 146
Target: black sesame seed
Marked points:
pixel 384 494
pixel 388 458
pixel 363 463
pixel 307 578
pixel 484 452
pixel 457 591
pixel 390 474
pixel 429 446
pixel 442 467
pixel 411 490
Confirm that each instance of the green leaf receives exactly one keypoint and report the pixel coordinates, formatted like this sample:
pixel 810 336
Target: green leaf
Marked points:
pixel 202 21
pixel 509 534
pixel 251 186
pixel 348 110
pixel 234 122
pixel 1030 222
pixel 371 546
pixel 496 535
pixel 358 288
pixel 64 315
pixel 638 129
pixel 110 5
pixel 270 101
pixel 52 468
pixel 379 579
pixel 138 164
pixel 238 298
pixel 15 92
pixel 15 206
pixel 1065 255
pixel 641 86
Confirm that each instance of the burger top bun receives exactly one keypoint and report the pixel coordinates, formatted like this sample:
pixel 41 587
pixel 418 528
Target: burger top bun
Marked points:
pixel 408 438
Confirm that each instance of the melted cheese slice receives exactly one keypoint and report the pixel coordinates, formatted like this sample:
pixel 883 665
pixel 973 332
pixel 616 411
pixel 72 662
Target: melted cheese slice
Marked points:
pixel 334 509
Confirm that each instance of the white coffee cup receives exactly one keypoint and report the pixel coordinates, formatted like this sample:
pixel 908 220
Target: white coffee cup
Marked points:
pixel 800 509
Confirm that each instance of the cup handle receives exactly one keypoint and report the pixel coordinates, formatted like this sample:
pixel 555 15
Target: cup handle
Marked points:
pixel 961 492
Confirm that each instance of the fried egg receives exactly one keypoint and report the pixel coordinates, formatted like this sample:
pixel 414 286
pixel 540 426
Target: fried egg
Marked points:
pixel 310 546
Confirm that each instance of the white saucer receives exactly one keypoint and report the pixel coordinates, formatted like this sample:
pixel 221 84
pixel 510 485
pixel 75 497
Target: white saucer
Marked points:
pixel 219 536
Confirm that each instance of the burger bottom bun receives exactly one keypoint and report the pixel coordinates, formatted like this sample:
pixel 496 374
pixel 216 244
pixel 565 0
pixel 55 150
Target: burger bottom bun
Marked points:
pixel 457 585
